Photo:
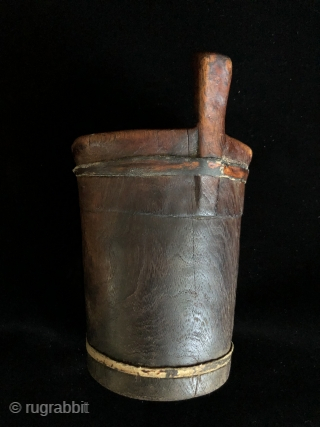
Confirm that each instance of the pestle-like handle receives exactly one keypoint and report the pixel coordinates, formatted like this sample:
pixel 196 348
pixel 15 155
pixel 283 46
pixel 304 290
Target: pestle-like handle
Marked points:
pixel 215 73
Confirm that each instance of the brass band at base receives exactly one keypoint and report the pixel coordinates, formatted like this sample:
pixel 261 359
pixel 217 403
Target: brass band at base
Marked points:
pixel 164 372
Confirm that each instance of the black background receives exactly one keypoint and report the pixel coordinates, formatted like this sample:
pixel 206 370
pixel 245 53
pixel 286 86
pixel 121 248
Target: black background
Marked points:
pixel 77 67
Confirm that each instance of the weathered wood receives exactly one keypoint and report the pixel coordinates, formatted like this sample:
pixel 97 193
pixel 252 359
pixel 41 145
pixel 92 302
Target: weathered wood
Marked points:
pixel 168 389
pixel 163 166
pixel 214 82
pixel 115 145
pixel 179 143
pixel 160 213
pixel 163 372
pixel 166 196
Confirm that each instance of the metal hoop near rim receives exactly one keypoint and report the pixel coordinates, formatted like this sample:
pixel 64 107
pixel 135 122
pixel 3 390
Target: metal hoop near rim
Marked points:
pixel 144 166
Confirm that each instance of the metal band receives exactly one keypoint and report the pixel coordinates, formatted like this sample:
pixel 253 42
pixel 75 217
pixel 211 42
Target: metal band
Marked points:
pixel 163 166
pixel 167 372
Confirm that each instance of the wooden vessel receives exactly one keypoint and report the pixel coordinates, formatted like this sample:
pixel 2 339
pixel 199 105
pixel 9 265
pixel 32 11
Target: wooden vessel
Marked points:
pixel 160 213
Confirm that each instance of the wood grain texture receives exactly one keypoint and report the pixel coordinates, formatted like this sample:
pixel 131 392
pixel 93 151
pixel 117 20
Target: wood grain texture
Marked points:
pixel 201 196
pixel 182 142
pixel 157 389
pixel 235 151
pixel 116 145
pixel 214 82
pixel 163 372
pixel 148 279
pixel 161 249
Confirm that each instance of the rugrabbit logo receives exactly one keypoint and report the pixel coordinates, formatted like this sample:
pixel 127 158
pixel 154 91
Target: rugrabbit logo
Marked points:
pixel 45 409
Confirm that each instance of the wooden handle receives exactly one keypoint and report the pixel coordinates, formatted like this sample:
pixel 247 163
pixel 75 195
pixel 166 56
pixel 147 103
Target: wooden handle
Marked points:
pixel 214 82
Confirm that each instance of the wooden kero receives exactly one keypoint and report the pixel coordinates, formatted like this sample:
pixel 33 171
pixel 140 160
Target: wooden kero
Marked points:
pixel 160 214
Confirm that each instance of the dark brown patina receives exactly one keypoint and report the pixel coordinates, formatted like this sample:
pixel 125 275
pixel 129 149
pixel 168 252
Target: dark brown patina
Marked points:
pixel 160 213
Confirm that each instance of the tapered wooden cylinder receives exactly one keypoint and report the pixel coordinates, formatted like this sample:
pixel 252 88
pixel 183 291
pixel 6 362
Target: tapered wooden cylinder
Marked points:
pixel 160 213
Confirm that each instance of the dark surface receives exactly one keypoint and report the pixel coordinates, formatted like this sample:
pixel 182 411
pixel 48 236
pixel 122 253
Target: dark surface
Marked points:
pixel 74 68
pixel 161 248
pixel 155 389
pixel 161 275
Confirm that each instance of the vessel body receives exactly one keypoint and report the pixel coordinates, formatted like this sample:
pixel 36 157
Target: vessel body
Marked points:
pixel 161 225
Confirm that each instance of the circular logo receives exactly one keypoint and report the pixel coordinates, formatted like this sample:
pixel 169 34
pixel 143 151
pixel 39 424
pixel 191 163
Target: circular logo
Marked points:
pixel 15 407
